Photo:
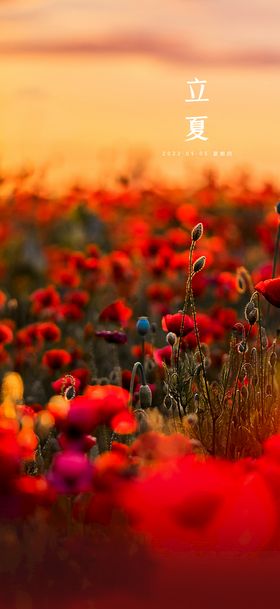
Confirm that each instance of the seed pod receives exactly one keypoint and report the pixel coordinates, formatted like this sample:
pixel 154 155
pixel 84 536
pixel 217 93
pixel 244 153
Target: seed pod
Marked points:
pixel 143 326
pixel 145 396
pixel 199 264
pixel 197 232
pixel 171 338
pixel 273 359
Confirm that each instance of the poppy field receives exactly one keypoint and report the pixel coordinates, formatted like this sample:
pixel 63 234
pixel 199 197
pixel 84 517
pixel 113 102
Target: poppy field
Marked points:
pixel 140 402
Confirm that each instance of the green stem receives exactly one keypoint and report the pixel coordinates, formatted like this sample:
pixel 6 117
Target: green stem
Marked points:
pixel 261 359
pixel 235 391
pixel 186 301
pixel 275 257
pixel 203 371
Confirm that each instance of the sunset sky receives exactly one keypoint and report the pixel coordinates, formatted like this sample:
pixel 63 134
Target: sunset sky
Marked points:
pixel 88 85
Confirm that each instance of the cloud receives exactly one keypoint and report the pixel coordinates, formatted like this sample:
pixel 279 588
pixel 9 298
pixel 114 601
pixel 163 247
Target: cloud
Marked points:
pixel 155 47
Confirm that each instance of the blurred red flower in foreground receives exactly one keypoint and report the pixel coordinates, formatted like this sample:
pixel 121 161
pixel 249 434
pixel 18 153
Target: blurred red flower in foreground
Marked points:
pixel 117 312
pixel 173 323
pixel 71 472
pixel 270 289
pixel 100 405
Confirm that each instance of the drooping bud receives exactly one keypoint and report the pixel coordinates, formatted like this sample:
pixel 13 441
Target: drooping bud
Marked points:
pixel 145 396
pixel 143 326
pixel 251 313
pixel 242 347
pixel 199 264
pixel 197 232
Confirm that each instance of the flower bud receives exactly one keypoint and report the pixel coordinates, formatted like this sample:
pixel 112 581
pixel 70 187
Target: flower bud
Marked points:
pixel 199 264
pixel 171 338
pixel 242 347
pixel 145 396
pixel 143 326
pixel 197 232
pixel 252 315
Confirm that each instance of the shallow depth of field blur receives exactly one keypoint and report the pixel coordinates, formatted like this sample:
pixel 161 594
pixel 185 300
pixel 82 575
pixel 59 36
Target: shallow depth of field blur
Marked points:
pixel 139 306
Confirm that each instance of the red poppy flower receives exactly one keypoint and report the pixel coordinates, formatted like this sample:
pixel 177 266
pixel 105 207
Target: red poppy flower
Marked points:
pixel 63 383
pixel 45 299
pixel 28 336
pixel 49 331
pixel 6 334
pixel 82 375
pixel 172 323
pixel 270 289
pixel 124 423
pixel 69 311
pixel 163 355
pixel 116 312
pixel 79 298
pixel 56 359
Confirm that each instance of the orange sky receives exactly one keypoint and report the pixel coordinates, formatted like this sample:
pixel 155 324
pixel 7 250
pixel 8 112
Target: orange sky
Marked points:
pixel 88 85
